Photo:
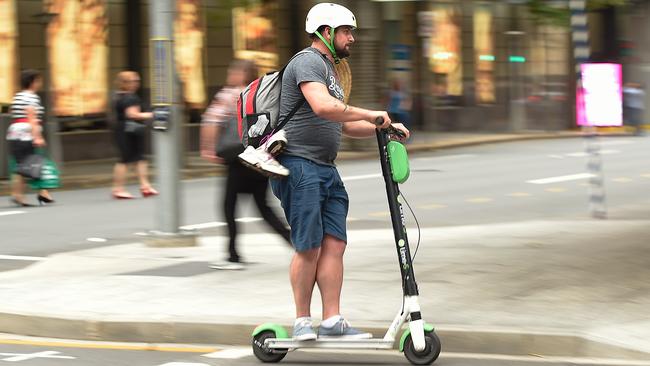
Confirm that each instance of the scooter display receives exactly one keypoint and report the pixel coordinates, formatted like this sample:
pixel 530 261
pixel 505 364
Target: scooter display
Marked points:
pixel 419 342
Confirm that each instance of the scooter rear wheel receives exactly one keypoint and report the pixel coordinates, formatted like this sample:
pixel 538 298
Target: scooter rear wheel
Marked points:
pixel 428 355
pixel 264 353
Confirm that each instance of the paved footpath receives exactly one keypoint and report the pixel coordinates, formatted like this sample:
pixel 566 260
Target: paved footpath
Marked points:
pixel 572 288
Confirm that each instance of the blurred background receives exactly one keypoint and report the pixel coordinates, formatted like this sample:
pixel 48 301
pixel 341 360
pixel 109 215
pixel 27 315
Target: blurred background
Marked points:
pixel 465 65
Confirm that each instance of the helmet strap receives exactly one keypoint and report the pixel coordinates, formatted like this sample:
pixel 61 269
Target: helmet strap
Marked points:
pixel 330 45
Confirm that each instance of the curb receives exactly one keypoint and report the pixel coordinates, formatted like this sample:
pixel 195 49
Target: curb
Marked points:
pixel 463 340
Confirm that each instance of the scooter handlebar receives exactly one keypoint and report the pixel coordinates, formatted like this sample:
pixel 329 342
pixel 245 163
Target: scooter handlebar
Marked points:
pixel 390 129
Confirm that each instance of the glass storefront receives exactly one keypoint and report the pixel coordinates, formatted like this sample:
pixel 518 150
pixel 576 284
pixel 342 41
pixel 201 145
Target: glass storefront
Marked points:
pixel 78 56
pixel 189 36
pixel 8 36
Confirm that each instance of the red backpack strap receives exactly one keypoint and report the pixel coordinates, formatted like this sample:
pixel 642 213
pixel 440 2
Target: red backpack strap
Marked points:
pixel 252 96
pixel 240 116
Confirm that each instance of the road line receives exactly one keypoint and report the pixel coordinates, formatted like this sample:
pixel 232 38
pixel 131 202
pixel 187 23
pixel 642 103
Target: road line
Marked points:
pixel 231 354
pixel 213 224
pixel 582 154
pixel 8 213
pixel 205 225
pixel 110 345
pixel 562 178
pixel 547 359
pixel 361 177
pixel 96 240
pixel 21 258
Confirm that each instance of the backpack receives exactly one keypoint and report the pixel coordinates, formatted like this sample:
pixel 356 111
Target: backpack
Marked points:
pixel 258 108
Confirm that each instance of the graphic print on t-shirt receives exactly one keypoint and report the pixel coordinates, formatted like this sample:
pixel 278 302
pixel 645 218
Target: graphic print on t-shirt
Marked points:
pixel 334 86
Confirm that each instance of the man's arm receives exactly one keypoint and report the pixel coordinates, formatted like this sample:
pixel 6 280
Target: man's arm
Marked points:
pixel 363 129
pixel 328 107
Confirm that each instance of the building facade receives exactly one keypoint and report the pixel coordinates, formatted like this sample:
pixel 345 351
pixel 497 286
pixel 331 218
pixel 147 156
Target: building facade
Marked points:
pixel 464 65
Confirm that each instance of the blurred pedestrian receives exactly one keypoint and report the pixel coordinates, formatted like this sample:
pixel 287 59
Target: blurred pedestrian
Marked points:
pixel 399 103
pixel 129 132
pixel 634 106
pixel 220 143
pixel 25 133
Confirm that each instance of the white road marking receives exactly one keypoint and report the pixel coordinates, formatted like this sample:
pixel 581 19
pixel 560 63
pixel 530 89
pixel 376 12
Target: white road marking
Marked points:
pixel 547 359
pixel 8 213
pixel 205 225
pixel 17 357
pixel 20 258
pixel 96 240
pixel 361 177
pixel 213 224
pixel 248 219
pixel 583 154
pixel 184 364
pixel 563 178
pixel 232 353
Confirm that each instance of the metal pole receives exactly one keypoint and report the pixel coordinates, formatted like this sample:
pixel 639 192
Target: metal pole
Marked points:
pixel 165 91
pixel 580 36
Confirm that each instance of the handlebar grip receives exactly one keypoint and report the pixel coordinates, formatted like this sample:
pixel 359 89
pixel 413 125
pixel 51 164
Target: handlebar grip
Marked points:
pixel 379 121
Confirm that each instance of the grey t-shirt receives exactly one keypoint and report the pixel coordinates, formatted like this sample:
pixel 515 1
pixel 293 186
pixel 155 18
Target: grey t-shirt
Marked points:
pixel 310 137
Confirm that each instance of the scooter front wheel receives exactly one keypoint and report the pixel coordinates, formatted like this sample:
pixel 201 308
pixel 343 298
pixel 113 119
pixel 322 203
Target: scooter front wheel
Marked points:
pixel 428 355
pixel 264 353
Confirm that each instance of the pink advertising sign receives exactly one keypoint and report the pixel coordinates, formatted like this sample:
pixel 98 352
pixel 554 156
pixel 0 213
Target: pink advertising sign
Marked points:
pixel 599 102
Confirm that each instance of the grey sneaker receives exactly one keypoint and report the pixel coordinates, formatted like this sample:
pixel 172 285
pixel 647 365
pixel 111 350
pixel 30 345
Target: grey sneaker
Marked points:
pixel 342 329
pixel 304 331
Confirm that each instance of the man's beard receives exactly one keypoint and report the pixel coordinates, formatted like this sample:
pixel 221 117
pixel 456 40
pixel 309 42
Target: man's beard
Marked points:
pixel 342 52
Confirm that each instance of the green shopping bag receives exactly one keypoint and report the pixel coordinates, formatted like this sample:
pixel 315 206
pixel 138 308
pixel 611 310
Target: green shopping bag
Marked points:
pixel 50 176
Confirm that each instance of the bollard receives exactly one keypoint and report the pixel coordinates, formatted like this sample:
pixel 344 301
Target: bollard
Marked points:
pixel 5 119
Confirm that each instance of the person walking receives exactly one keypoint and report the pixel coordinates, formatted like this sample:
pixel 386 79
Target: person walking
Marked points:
pixel 313 196
pixel 129 132
pixel 634 106
pixel 220 143
pixel 25 133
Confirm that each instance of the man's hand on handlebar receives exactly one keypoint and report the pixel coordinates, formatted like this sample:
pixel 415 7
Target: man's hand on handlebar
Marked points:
pixel 401 133
pixel 379 119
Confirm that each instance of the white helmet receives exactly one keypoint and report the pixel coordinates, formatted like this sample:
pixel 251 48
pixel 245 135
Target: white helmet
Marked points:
pixel 332 15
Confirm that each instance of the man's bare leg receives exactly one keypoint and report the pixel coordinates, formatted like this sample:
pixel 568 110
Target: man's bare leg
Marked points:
pixel 302 273
pixel 329 275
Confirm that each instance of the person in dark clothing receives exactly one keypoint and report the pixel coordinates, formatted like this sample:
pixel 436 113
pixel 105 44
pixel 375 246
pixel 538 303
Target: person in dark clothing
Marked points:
pixel 220 144
pixel 129 133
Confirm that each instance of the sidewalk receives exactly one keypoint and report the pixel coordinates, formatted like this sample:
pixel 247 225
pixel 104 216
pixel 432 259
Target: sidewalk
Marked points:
pixel 571 289
pixel 98 173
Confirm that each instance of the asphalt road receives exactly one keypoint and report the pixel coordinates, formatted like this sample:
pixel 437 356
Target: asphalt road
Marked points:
pixel 473 185
pixel 43 352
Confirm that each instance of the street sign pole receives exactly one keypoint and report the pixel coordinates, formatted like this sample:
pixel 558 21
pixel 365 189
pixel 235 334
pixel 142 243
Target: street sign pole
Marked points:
pixel 580 37
pixel 165 100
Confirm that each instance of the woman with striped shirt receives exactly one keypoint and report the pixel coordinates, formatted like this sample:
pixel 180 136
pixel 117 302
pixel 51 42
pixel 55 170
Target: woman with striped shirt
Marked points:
pixel 25 132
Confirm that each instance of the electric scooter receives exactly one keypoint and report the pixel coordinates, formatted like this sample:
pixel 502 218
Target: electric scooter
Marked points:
pixel 419 342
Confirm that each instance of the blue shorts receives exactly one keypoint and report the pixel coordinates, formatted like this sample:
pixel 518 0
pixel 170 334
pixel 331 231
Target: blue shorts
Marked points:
pixel 314 200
